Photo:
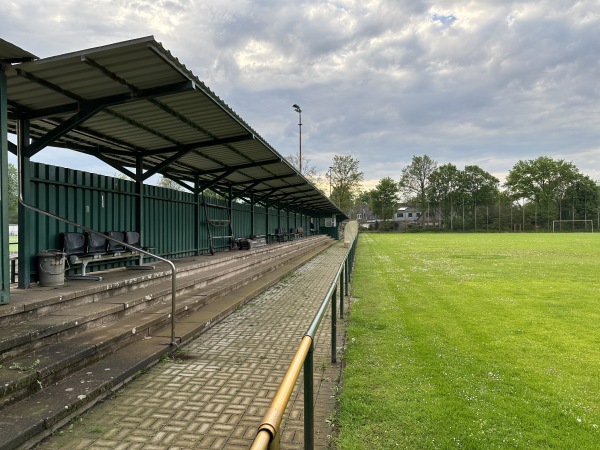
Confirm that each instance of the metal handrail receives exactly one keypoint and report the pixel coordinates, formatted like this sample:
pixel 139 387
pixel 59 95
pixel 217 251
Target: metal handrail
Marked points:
pixel 268 434
pixel 89 230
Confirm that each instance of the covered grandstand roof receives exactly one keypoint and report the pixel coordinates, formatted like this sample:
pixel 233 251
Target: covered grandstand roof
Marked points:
pixel 10 53
pixel 134 103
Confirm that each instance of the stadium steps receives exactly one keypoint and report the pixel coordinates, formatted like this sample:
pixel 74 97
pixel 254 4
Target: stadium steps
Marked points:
pixel 65 348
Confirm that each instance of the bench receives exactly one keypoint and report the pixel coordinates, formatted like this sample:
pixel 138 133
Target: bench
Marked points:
pixel 280 235
pixel 251 242
pixel 297 232
pixel 82 249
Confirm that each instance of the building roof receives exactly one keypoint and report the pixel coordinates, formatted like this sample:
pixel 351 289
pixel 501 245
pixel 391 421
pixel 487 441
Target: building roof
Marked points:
pixel 134 103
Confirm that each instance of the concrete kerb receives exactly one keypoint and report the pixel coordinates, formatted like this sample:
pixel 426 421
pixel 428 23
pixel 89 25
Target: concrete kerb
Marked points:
pixel 350 233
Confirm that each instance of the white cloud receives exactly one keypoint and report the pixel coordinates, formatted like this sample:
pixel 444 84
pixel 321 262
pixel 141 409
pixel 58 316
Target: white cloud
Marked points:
pixel 470 82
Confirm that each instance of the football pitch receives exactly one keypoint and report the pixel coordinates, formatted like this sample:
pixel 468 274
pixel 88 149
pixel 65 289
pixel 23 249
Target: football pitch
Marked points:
pixel 473 341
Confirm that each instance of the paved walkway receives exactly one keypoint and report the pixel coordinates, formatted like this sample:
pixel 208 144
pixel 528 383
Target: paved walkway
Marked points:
pixel 215 393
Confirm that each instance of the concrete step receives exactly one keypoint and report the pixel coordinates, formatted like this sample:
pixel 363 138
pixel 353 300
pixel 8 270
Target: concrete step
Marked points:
pixel 44 389
pixel 113 304
pixel 28 304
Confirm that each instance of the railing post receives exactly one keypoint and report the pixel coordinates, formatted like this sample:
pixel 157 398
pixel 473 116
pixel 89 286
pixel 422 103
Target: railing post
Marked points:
pixel 342 291
pixel 333 326
pixel 309 406
pixel 347 273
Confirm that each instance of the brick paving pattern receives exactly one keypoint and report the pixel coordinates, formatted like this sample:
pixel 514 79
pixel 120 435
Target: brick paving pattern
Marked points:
pixel 216 392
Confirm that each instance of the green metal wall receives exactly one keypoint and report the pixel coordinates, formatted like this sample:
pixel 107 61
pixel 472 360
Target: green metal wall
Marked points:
pixel 109 204
pixel 169 222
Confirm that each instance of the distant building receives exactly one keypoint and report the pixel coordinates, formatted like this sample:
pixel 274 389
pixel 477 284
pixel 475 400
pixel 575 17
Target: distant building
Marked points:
pixel 407 215
pixel 404 216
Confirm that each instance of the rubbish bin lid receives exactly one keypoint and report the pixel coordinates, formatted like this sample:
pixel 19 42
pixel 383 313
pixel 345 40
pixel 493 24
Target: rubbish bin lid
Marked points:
pixel 51 253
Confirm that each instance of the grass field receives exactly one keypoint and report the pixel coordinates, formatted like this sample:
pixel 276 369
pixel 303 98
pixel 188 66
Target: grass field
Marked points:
pixel 12 243
pixel 473 341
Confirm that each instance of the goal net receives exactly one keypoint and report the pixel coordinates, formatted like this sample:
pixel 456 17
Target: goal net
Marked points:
pixel 582 225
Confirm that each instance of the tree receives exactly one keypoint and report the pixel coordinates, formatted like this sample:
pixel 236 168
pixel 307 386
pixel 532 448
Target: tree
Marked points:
pixel 445 191
pixel 582 198
pixel 308 171
pixel 481 186
pixel 414 180
pixel 384 198
pixel 345 181
pixel 13 194
pixel 169 184
pixel 543 181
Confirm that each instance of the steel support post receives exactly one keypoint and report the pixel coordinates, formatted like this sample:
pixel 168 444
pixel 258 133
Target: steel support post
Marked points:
pixel 267 220
pixel 139 190
pixel 26 217
pixel 197 210
pixel 252 215
pixel 334 326
pixel 4 248
pixel 309 399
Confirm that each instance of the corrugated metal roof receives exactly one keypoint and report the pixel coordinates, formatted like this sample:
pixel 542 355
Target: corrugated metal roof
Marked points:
pixel 131 99
pixel 10 53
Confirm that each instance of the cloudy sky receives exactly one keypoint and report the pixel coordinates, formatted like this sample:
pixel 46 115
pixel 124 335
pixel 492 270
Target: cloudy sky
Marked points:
pixel 486 82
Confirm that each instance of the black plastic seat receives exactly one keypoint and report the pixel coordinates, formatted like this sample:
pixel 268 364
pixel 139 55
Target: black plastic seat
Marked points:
pixel 73 244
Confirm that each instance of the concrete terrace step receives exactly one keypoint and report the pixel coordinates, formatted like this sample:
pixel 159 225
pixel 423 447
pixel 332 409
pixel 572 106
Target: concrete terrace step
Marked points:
pixel 60 380
pixel 28 304
pixel 102 308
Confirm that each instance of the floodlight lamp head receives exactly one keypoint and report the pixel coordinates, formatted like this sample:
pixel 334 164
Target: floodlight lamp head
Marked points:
pixel 297 108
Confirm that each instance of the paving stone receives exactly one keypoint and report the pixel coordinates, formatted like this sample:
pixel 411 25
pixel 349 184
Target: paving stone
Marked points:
pixel 216 394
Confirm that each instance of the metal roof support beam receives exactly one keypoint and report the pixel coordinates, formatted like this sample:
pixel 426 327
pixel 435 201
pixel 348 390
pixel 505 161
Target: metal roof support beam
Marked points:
pixel 16 110
pixel 269 193
pixel 142 127
pixel 158 104
pixel 185 149
pixel 85 132
pixel 47 84
pixel 142 94
pixel 116 166
pixel 288 186
pixel 61 130
pixel 203 144
pixel 246 190
pixel 257 181
pixel 199 85
pixel 210 183
pixel 242 166
pixel 202 88
pixel 179 182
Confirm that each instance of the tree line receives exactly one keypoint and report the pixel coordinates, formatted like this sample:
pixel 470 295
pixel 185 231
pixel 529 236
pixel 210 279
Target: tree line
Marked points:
pixel 536 193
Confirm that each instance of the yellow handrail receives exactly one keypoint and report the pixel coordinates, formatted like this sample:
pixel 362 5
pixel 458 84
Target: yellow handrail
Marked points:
pixel 269 434
pixel 274 415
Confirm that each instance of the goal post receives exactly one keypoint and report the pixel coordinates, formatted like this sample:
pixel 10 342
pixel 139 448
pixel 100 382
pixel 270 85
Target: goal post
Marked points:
pixel 573 225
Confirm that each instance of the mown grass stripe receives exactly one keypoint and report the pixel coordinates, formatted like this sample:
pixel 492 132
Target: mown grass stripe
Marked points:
pixel 473 341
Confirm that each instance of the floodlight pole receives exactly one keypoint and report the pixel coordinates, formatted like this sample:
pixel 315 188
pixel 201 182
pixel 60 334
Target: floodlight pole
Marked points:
pixel 299 111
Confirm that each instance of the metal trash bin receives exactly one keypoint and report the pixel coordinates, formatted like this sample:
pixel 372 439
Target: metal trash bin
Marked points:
pixel 51 265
